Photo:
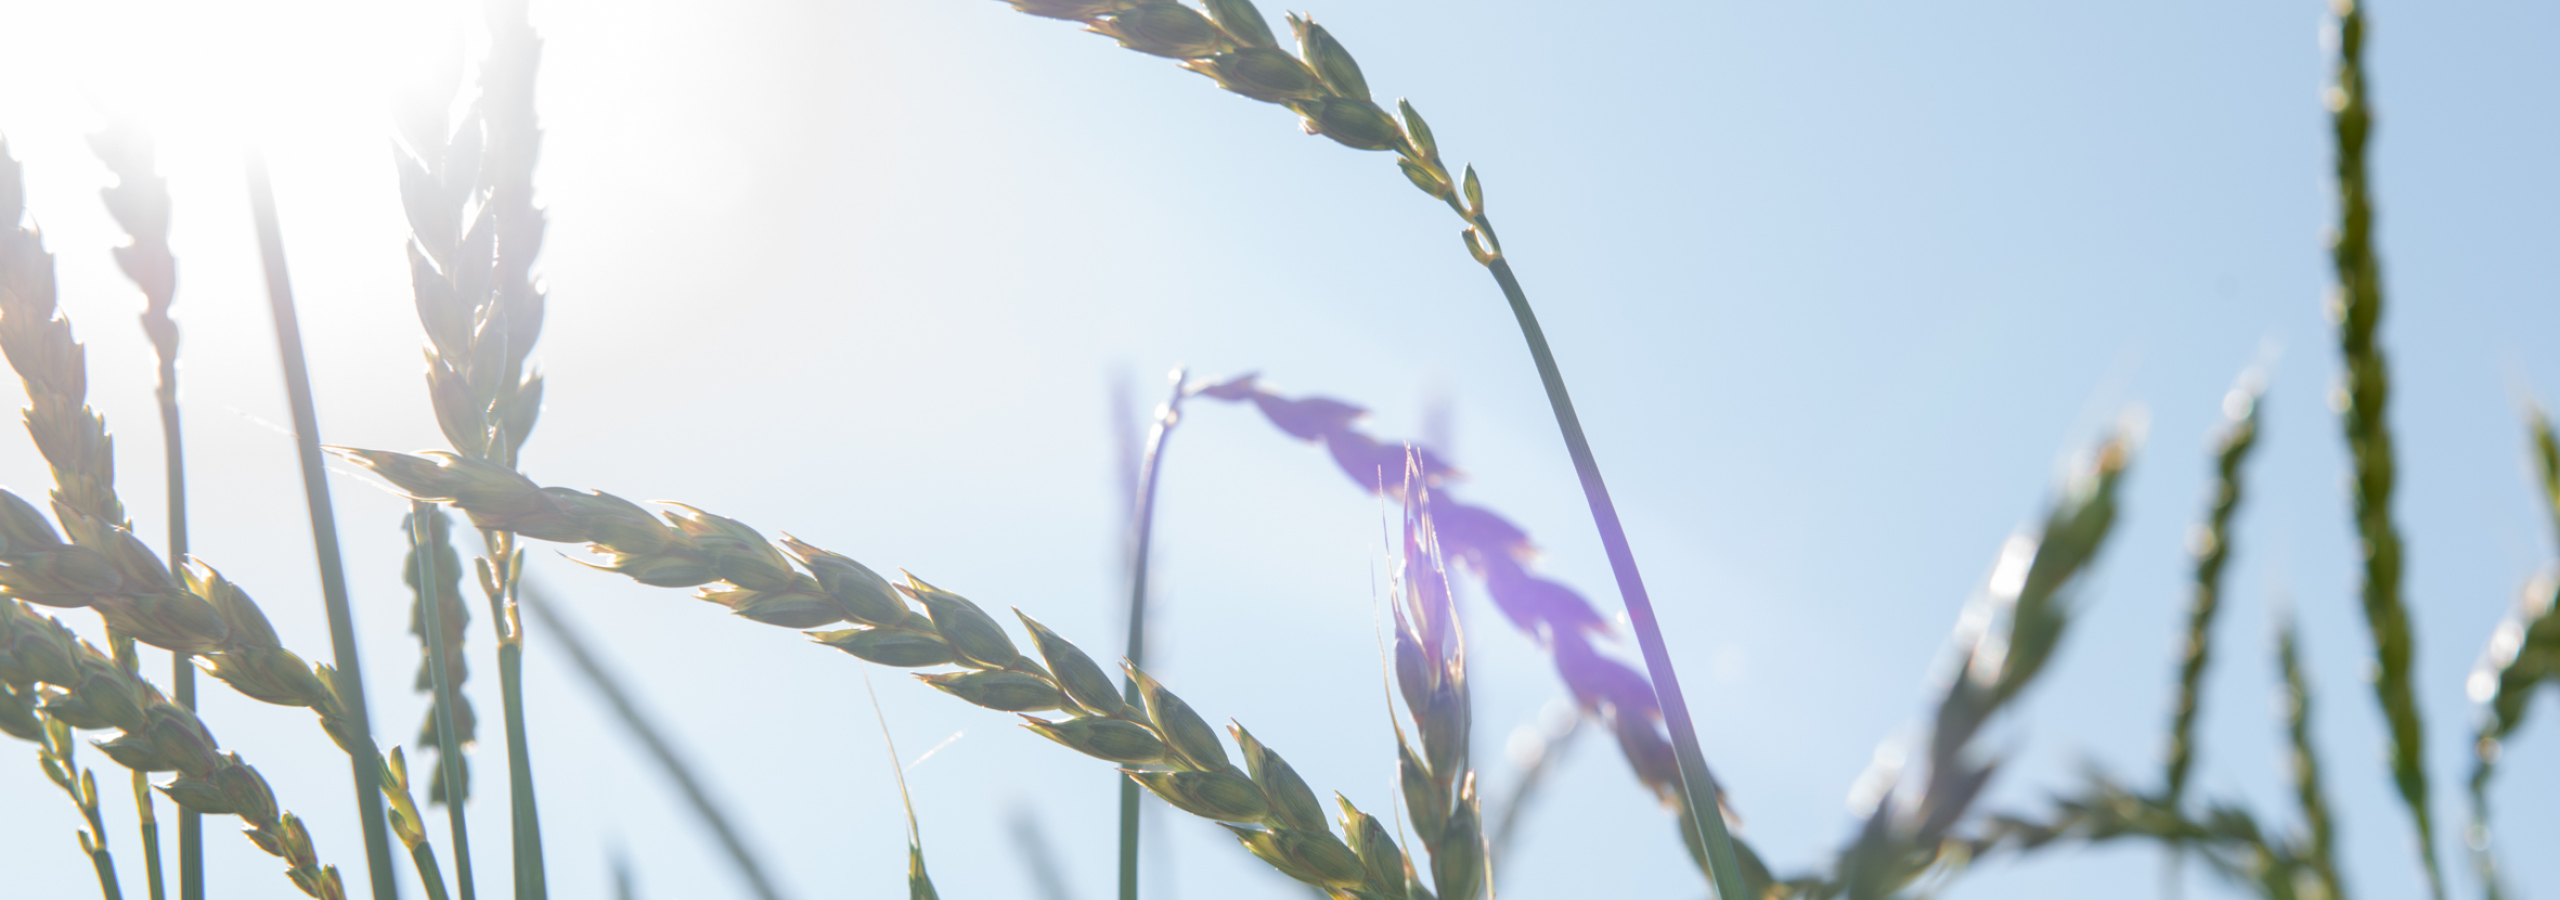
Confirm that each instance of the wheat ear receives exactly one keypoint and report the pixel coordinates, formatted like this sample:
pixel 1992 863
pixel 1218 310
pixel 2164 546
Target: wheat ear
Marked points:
pixel 1233 45
pixel 1998 649
pixel 2356 305
pixel 92 691
pixel 1161 742
pixel 139 202
pixel 1430 663
pixel 2521 655
pixel 475 232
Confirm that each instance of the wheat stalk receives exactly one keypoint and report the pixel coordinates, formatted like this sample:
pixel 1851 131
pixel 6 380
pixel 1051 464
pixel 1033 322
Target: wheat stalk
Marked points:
pixel 2522 654
pixel 139 202
pixel 2356 305
pixel 421 520
pixel 475 232
pixel 2318 850
pixel 1430 666
pixel 362 756
pixel 1142 539
pixel 1161 742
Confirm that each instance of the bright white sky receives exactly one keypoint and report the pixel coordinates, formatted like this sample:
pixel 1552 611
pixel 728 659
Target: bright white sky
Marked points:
pixel 1836 286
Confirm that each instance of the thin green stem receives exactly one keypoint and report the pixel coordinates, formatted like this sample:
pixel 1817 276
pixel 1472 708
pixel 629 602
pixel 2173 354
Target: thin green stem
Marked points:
pixel 583 658
pixel 449 756
pixel 324 534
pixel 142 807
pixel 1144 514
pixel 1697 783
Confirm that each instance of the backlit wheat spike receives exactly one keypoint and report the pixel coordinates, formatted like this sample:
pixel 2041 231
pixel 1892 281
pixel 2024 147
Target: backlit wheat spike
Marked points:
pixel 1431 674
pixel 2355 304
pixel 139 202
pixel 1161 742
pixel 2523 654
pixel 1997 651
pixel 455 617
pixel 93 692
pixel 468 189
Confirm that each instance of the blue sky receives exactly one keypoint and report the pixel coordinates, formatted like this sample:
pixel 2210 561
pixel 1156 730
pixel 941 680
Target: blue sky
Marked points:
pixel 1837 286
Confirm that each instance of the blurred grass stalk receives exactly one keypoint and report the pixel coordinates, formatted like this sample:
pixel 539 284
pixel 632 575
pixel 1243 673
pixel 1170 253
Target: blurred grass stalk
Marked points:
pixel 583 658
pixel 365 757
pixel 1142 511
pixel 2355 304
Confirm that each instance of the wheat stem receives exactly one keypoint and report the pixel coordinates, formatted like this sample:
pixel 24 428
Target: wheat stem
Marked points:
pixel 698 797
pixel 324 533
pixel 139 202
pixel 1143 509
pixel 1698 785
pixel 448 738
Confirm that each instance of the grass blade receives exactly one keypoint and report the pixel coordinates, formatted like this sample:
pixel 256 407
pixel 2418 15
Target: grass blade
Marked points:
pixel 2357 306
pixel 708 811
pixel 1143 513
pixel 324 534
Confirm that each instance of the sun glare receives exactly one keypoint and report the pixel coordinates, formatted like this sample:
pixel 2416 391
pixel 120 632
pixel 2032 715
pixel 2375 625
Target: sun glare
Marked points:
pixel 210 80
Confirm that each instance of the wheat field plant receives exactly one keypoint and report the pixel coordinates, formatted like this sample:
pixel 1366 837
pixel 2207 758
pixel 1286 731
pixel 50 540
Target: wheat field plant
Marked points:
pixel 2048 452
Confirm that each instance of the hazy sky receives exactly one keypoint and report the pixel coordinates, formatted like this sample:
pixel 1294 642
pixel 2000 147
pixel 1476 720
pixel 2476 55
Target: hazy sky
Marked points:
pixel 1837 286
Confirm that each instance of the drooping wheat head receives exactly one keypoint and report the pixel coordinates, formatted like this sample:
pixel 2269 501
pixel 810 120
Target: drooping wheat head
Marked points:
pixel 1160 742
